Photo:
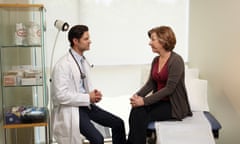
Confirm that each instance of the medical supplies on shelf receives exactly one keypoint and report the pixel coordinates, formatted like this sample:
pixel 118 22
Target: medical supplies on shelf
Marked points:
pixel 22 75
pixel 27 33
pixel 25 114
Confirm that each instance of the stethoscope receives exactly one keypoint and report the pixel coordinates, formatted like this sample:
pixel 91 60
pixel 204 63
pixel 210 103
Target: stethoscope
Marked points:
pixel 83 75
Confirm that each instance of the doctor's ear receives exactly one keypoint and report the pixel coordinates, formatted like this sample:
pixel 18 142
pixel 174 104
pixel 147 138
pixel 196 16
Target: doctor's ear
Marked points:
pixel 75 40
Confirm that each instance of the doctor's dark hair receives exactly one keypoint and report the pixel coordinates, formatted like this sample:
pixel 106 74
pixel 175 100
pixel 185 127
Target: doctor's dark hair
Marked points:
pixel 76 32
pixel 165 36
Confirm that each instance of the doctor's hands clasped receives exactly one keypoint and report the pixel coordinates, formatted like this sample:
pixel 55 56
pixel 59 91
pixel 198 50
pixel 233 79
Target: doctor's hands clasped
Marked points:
pixel 95 96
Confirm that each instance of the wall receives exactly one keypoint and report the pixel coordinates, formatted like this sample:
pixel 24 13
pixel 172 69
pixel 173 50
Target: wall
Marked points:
pixel 117 80
pixel 120 28
pixel 214 48
pixel 123 30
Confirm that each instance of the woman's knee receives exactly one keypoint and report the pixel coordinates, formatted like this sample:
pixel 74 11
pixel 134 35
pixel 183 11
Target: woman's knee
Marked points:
pixel 139 112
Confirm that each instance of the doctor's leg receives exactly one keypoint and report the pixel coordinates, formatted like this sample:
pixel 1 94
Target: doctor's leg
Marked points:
pixel 107 119
pixel 87 128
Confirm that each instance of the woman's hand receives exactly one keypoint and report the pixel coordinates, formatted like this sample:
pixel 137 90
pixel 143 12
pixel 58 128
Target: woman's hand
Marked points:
pixel 136 101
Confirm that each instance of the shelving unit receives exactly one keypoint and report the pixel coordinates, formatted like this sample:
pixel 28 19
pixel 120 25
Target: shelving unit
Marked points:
pixel 23 74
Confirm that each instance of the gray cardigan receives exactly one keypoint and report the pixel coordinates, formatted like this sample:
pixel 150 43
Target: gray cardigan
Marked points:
pixel 175 88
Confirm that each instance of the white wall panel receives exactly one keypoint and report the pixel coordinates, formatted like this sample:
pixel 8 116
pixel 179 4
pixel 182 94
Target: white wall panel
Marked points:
pixel 119 28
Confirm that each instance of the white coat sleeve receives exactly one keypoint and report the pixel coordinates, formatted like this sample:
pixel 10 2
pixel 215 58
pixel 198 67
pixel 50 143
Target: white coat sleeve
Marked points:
pixel 65 88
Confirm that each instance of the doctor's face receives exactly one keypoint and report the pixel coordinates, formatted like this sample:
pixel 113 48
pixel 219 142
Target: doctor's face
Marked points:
pixel 82 44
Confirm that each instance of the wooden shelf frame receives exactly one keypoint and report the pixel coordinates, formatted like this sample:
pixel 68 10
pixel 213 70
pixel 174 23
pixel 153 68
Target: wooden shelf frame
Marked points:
pixel 17 5
pixel 25 125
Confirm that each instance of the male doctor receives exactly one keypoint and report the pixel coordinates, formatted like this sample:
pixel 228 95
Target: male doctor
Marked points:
pixel 74 98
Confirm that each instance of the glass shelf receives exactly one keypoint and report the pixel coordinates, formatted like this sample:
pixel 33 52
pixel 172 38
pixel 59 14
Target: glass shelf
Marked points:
pixel 20 46
pixel 24 85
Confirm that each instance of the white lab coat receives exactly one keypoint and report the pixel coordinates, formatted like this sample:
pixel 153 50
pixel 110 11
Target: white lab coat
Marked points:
pixel 66 100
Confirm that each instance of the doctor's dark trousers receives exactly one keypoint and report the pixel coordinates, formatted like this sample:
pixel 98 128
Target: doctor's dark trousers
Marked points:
pixel 103 118
pixel 141 116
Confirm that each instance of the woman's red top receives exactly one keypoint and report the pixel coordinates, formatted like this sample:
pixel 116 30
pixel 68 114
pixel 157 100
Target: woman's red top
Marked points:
pixel 160 77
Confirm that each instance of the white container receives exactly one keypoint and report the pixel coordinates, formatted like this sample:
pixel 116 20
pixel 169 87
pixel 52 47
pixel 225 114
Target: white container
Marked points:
pixel 20 34
pixel 33 34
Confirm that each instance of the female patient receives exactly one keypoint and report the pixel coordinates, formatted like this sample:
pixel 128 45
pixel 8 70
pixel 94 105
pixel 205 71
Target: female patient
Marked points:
pixel 164 95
